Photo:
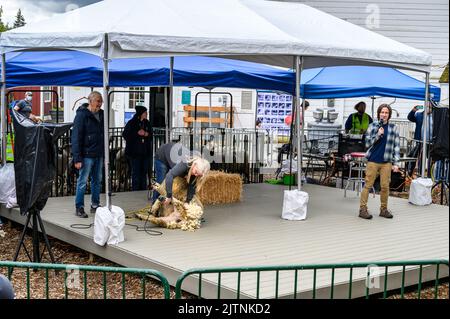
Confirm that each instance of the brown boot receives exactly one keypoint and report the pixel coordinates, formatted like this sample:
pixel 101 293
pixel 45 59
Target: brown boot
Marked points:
pixel 386 213
pixel 364 213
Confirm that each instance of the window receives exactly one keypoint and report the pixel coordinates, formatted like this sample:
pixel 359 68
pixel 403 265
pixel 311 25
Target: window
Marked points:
pixel 61 97
pixel 246 100
pixel 136 97
pixel 47 96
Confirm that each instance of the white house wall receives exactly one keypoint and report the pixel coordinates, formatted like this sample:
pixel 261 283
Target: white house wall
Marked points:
pixel 242 118
pixel 419 23
pixel 71 95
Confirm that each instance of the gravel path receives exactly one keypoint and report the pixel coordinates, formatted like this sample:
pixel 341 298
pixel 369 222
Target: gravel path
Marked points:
pixel 68 254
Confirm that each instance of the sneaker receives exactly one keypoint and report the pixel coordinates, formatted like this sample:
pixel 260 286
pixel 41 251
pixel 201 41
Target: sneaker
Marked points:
pixel 364 213
pixel 386 213
pixel 81 213
pixel 94 208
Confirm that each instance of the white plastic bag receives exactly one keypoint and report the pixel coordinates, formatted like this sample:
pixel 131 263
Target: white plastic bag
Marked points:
pixel 116 226
pixel 285 166
pixel 7 183
pixel 295 205
pixel 12 202
pixel 420 191
pixel 108 226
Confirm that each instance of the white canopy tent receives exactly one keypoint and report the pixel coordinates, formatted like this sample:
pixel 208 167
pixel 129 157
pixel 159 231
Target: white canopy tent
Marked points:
pixel 276 33
pixel 262 31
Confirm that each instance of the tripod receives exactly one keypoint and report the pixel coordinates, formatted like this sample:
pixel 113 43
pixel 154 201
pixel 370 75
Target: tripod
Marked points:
pixel 37 254
pixel 442 179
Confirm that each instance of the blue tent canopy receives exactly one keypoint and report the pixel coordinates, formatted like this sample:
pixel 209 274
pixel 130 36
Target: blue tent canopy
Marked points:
pixel 73 68
pixel 359 81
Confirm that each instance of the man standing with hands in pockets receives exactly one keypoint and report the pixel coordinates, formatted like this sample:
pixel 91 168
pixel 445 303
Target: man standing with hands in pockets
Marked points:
pixel 88 151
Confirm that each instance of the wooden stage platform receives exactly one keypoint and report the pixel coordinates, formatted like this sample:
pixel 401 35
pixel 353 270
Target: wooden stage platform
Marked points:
pixel 251 233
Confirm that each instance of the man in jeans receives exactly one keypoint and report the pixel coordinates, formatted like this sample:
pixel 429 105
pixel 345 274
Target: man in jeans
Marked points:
pixel 88 151
pixel 417 117
pixel 383 155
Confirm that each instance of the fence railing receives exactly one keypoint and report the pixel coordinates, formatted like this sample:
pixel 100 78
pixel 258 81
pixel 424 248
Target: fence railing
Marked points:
pixel 293 277
pixel 241 151
pixel 75 280
pixel 72 281
pixel 231 150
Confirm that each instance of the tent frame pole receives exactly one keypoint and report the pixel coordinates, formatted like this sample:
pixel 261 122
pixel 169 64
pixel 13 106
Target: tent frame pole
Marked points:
pixel 425 123
pixel 300 129
pixel 166 112
pixel 170 111
pixel 3 110
pixel 373 105
pixel 106 120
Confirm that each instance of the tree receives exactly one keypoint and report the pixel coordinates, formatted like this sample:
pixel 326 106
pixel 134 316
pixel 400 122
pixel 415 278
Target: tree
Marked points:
pixel 20 20
pixel 3 27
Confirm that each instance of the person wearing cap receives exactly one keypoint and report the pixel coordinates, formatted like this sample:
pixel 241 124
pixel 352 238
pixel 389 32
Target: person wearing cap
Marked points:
pixel 88 151
pixel 358 122
pixel 138 147
pixel 6 288
pixel 24 107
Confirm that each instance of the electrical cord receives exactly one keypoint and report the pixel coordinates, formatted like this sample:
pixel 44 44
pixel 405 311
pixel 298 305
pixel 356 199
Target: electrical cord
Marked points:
pixel 138 228
pixel 81 226
pixel 146 229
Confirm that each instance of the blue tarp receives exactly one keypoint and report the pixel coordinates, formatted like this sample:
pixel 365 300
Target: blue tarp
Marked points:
pixel 72 68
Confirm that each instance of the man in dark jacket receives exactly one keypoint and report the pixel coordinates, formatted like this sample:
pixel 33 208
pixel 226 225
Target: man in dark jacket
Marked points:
pixel 138 148
pixel 417 116
pixel 6 288
pixel 88 151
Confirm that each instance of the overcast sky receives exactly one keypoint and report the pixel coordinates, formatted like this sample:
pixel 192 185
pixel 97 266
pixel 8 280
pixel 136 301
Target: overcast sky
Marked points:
pixel 36 10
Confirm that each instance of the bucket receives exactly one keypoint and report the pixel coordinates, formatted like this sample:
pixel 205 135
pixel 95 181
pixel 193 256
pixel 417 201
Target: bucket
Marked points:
pixel 289 179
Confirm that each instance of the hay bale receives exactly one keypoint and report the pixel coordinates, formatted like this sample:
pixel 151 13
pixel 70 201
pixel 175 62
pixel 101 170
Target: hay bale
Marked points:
pixel 221 188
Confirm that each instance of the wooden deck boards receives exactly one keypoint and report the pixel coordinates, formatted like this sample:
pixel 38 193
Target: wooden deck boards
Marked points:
pixel 251 233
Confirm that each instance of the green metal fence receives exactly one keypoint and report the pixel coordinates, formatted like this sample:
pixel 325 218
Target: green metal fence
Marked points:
pixel 112 282
pixel 75 279
pixel 296 274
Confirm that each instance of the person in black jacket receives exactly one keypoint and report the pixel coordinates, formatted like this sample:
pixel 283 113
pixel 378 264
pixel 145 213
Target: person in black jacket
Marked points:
pixel 88 151
pixel 6 288
pixel 138 147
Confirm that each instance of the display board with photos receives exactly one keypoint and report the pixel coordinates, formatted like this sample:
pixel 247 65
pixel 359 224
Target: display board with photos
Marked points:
pixel 272 110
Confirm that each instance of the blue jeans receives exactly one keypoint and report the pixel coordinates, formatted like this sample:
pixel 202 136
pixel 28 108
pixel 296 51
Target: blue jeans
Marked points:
pixel 94 168
pixel 161 170
pixel 139 172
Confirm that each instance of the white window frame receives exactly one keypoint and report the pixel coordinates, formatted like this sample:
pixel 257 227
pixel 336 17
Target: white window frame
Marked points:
pixel 134 98
pixel 61 96
pixel 47 96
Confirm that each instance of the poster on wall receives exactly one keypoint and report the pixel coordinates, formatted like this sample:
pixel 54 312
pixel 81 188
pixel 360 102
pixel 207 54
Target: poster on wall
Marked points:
pixel 272 110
